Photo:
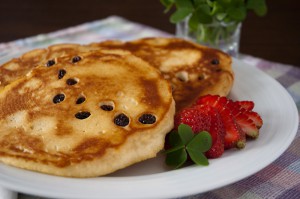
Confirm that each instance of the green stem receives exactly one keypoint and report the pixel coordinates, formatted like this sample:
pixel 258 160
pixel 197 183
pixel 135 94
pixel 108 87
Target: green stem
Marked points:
pixel 208 34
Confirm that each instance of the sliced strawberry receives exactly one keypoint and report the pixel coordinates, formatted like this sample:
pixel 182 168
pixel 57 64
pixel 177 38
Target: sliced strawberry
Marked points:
pixel 247 125
pixel 217 132
pixel 197 119
pixel 212 100
pixel 208 99
pixel 244 121
pixel 255 117
pixel 231 105
pixel 234 136
pixel 221 103
pixel 247 105
pixel 248 121
pixel 204 118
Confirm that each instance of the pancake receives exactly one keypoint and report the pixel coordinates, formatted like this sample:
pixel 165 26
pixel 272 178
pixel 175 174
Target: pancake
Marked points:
pixel 18 67
pixel 107 110
pixel 193 70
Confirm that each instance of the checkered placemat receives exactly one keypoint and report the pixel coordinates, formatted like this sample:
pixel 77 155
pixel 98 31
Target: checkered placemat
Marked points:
pixel 281 179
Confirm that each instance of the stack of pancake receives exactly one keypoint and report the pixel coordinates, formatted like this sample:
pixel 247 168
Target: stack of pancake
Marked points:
pixel 88 110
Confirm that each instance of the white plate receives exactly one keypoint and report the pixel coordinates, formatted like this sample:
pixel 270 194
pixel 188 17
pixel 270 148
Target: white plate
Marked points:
pixel 151 179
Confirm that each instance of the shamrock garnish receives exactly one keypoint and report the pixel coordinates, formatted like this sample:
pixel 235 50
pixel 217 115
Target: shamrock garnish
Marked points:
pixel 184 144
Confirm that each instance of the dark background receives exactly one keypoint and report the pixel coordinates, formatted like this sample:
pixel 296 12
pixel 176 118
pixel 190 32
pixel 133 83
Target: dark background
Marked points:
pixel 275 37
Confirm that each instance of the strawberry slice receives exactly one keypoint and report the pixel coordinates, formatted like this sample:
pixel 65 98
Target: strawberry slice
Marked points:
pixel 238 118
pixel 217 132
pixel 234 136
pixel 246 124
pixel 247 105
pixel 197 119
pixel 255 117
pixel 193 117
pixel 242 112
pixel 212 100
pixel 204 118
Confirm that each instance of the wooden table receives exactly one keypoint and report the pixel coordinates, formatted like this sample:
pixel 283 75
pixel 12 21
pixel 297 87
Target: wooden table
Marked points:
pixel 275 37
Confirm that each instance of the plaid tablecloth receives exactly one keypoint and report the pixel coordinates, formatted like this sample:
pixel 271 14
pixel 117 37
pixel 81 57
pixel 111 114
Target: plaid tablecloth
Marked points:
pixel 281 179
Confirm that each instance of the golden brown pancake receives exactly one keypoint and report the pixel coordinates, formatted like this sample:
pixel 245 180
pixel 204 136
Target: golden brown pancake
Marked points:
pixel 103 112
pixel 18 67
pixel 192 69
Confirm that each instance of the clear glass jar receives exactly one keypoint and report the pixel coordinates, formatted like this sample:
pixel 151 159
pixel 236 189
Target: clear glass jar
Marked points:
pixel 220 35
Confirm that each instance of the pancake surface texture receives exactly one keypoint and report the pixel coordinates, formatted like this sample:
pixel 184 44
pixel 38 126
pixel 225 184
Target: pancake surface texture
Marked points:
pixel 18 67
pixel 102 112
pixel 192 69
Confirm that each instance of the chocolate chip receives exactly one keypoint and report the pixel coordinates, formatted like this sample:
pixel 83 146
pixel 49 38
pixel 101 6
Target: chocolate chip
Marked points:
pixel 80 100
pixel 76 59
pixel 218 70
pixel 106 107
pixel 61 73
pixel 58 98
pixel 82 115
pixel 121 120
pixel 215 62
pixel 50 63
pixel 201 77
pixel 71 81
pixel 147 119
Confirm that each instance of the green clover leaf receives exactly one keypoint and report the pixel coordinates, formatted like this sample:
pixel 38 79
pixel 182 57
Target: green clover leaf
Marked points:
pixel 186 133
pixel 176 158
pixel 198 158
pixel 184 144
pixel 201 142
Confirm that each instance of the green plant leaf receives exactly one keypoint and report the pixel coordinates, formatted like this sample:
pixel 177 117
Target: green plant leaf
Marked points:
pixel 221 16
pixel 168 4
pixel 201 142
pixel 236 3
pixel 187 4
pixel 174 149
pixel 186 144
pixel 194 21
pixel 174 139
pixel 199 2
pixel 259 6
pixel 237 13
pixel 176 158
pixel 198 158
pixel 203 13
pixel 205 9
pixel 216 8
pixel 224 3
pixel 185 133
pixel 210 3
pixel 180 14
